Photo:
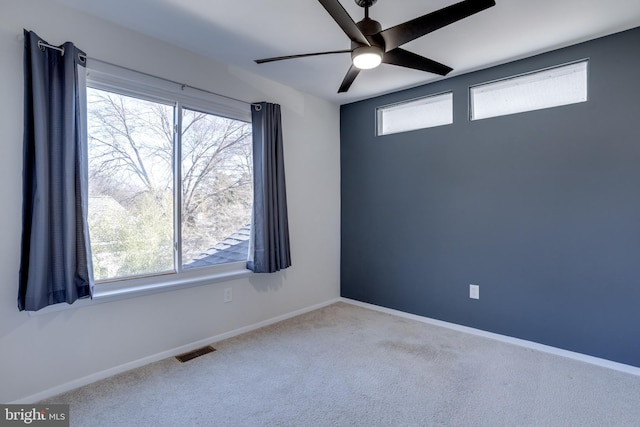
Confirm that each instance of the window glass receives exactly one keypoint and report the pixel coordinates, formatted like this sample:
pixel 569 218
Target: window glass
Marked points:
pixel 435 110
pixel 217 193
pixel 542 89
pixel 130 185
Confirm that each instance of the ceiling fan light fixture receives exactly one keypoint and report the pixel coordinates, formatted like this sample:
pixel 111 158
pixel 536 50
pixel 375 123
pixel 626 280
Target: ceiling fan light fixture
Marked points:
pixel 371 45
pixel 366 57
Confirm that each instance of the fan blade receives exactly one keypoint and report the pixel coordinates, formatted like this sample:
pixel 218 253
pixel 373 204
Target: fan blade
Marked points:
pixel 407 59
pixel 280 58
pixel 411 30
pixel 345 22
pixel 349 78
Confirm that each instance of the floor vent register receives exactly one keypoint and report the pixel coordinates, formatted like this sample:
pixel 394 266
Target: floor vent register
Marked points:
pixel 185 357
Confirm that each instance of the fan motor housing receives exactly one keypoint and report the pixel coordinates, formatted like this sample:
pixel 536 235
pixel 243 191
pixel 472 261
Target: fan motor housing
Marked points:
pixel 369 27
pixel 366 3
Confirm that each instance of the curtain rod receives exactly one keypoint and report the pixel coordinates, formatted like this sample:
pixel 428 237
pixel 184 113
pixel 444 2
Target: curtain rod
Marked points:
pixel 84 58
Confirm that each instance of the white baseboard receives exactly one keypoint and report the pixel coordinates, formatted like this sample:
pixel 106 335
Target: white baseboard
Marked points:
pixel 633 370
pixel 72 385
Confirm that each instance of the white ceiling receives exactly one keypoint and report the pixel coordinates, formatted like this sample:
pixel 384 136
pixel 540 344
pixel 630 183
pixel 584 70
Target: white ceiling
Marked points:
pixel 239 31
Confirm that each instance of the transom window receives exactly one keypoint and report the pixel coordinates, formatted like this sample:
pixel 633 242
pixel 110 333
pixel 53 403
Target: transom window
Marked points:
pixel 553 87
pixel 170 184
pixel 426 112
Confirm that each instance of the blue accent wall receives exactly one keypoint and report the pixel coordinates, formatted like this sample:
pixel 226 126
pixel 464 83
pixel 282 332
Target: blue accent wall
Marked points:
pixel 540 209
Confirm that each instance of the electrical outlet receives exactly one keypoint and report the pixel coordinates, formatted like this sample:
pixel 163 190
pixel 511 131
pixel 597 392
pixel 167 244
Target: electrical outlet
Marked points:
pixel 228 295
pixel 474 291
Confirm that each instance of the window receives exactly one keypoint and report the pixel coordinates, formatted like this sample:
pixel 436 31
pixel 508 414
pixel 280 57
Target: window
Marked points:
pixel 553 87
pixel 170 180
pixel 430 111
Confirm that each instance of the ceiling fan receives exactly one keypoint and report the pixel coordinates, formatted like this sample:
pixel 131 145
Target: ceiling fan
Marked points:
pixel 370 45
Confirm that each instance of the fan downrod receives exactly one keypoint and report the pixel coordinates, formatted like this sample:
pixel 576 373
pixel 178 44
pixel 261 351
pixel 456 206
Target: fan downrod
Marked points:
pixel 365 3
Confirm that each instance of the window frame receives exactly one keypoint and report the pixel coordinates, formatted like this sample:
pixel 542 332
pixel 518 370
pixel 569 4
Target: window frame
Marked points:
pixel 123 81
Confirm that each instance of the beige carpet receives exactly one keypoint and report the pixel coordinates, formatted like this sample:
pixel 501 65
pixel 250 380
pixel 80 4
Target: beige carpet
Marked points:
pixel 344 365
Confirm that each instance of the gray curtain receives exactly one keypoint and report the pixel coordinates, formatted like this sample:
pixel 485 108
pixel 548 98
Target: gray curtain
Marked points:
pixel 55 261
pixel 270 236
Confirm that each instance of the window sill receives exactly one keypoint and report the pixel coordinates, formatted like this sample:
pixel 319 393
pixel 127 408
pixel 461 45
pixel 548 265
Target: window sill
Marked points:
pixel 133 288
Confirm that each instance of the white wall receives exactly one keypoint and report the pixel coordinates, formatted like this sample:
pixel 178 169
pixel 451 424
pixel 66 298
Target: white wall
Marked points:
pixel 48 351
